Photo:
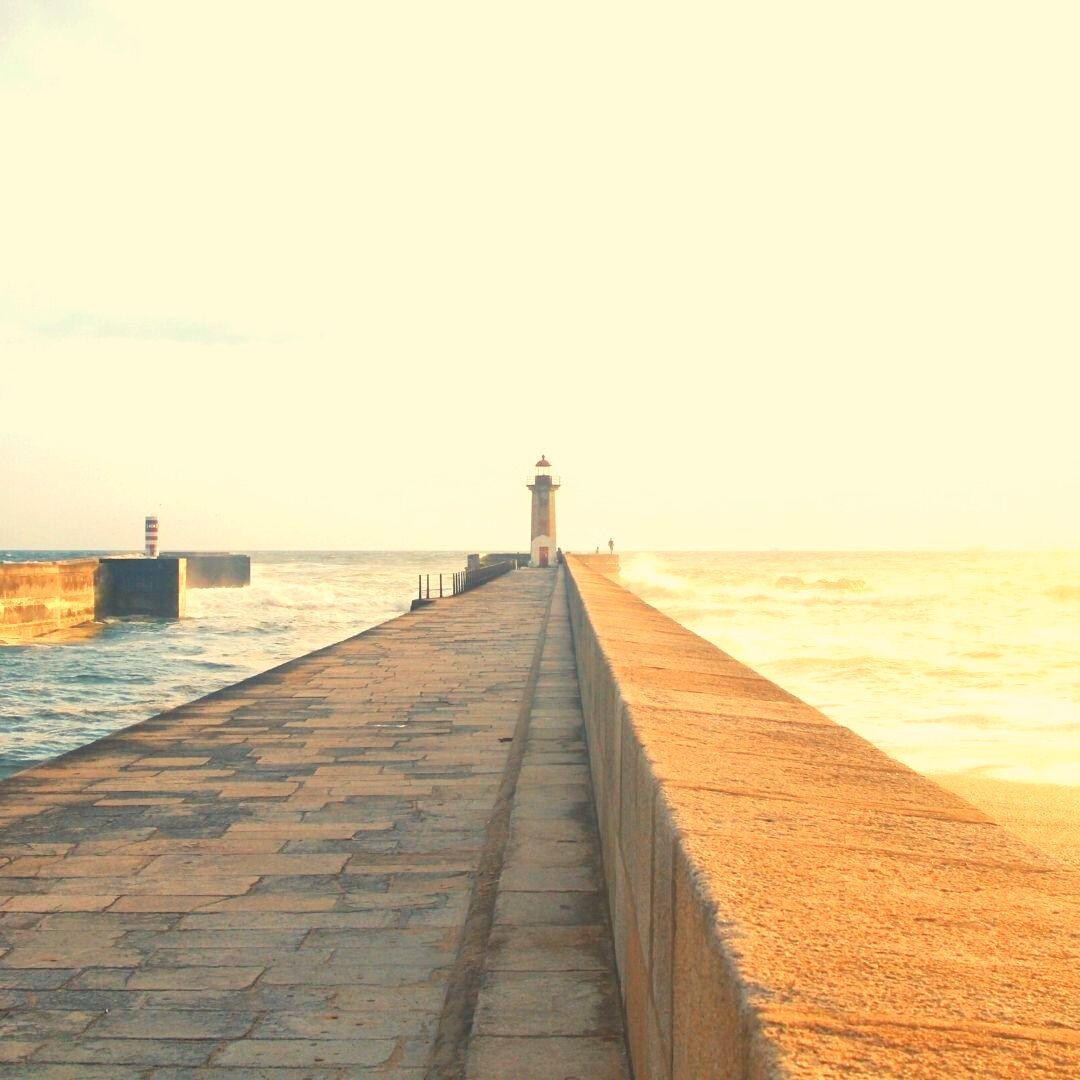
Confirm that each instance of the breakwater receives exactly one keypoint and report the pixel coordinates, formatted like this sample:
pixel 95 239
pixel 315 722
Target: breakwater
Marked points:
pixel 41 598
pixel 785 898
pixel 38 598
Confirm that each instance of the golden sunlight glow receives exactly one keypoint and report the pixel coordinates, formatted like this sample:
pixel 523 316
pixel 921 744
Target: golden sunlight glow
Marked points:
pixel 793 276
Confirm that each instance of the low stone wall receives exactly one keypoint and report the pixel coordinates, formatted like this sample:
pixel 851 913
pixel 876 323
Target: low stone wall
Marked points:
pixel 43 597
pixel 789 901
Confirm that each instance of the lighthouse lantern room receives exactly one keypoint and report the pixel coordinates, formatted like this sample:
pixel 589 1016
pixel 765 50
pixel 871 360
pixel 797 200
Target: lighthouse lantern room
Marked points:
pixel 543 487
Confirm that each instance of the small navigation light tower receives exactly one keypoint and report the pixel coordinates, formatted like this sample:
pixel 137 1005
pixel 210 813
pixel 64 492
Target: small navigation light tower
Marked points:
pixel 543 488
pixel 151 536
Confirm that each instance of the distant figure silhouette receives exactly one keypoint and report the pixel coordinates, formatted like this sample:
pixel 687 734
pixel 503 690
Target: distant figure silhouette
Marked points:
pixel 598 550
pixel 611 546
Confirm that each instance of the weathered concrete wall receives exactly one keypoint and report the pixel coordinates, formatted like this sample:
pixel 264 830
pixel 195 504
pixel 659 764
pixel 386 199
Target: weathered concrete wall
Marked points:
pixel 38 598
pixel 42 597
pixel 788 900
pixel 154 587
pixel 214 569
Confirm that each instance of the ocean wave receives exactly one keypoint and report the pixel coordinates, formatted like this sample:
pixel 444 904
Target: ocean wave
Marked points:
pixel 1064 592
pixel 865 665
pixel 645 572
pixel 842 584
pixel 109 677
pixel 980 721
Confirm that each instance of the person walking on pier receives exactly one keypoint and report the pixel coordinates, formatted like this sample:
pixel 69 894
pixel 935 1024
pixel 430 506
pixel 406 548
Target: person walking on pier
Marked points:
pixel 611 547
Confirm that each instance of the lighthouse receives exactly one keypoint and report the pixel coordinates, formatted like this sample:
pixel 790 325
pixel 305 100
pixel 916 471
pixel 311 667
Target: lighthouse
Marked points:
pixel 543 488
pixel 151 536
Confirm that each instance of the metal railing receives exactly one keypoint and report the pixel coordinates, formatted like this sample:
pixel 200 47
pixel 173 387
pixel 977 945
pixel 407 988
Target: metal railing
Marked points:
pixel 487 573
pixel 436 586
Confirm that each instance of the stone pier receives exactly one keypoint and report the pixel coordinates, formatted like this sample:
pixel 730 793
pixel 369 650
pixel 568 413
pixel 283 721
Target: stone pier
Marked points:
pixel 379 859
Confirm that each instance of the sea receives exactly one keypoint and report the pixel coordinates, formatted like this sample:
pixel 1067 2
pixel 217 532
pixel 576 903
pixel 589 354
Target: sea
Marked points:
pixel 949 661
pixel 57 695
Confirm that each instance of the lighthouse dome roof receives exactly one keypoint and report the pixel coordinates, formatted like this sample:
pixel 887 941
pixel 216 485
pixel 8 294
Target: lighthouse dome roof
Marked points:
pixel 543 463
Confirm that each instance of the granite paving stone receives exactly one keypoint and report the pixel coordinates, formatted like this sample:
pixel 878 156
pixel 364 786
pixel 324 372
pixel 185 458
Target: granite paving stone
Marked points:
pixel 542 1058
pixel 305 1052
pixel 126 1051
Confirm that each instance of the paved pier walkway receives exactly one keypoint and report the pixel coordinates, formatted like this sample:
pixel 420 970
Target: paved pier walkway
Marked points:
pixel 324 871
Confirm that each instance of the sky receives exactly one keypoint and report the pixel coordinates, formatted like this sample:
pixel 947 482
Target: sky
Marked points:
pixel 334 275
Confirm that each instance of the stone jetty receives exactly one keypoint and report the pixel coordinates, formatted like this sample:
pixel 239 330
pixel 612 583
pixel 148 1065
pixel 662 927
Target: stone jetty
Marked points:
pixel 344 866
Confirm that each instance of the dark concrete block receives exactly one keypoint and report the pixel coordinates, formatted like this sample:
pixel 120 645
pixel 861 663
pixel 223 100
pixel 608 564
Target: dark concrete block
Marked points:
pixel 154 587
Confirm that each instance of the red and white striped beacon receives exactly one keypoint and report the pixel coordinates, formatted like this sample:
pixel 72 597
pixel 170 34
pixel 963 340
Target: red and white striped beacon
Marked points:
pixel 151 536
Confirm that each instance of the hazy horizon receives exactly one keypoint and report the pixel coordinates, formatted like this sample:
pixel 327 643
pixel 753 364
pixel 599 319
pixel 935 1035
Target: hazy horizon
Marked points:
pixel 794 277
pixel 978 549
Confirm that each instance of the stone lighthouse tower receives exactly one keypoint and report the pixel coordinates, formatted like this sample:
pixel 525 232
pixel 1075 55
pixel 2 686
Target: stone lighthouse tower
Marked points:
pixel 543 488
